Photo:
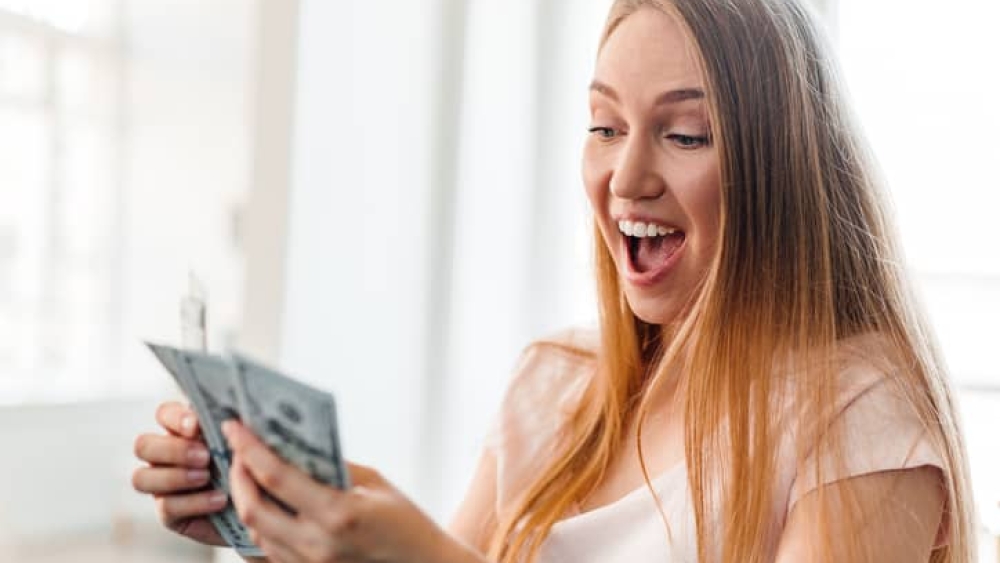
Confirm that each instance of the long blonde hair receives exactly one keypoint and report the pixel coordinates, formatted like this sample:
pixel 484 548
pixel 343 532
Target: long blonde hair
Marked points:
pixel 807 258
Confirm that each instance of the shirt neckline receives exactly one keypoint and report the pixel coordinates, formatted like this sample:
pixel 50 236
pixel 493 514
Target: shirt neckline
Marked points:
pixel 627 498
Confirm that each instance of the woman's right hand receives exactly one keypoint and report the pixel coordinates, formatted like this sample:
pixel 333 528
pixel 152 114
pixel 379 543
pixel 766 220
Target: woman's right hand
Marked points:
pixel 177 475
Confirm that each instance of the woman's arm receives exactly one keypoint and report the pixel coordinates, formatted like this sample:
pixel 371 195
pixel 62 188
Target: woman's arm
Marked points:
pixel 901 510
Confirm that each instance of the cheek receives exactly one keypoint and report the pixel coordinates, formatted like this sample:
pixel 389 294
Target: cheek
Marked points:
pixel 705 205
pixel 595 175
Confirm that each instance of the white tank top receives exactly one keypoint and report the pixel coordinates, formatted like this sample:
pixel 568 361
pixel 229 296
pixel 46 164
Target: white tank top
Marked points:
pixel 881 434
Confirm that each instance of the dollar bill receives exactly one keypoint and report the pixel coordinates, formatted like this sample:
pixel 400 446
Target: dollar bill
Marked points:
pixel 209 384
pixel 297 421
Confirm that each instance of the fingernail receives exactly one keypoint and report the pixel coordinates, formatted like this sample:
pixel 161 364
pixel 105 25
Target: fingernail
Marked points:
pixel 198 455
pixel 187 423
pixel 218 498
pixel 197 475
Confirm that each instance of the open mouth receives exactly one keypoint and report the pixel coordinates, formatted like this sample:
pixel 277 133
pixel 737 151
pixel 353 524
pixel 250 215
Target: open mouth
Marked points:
pixel 647 254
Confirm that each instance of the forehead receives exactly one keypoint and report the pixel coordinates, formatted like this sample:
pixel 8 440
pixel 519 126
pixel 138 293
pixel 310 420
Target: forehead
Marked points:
pixel 648 52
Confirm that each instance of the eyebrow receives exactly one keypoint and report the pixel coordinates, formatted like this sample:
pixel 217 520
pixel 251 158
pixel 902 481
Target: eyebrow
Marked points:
pixel 669 97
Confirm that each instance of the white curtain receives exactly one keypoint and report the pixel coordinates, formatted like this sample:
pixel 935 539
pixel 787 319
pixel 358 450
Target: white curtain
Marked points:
pixel 437 218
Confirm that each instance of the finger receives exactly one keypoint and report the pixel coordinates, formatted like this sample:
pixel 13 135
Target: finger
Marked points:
pixel 312 543
pixel 178 419
pixel 364 476
pixel 171 450
pixel 179 507
pixel 278 552
pixel 167 480
pixel 266 520
pixel 284 481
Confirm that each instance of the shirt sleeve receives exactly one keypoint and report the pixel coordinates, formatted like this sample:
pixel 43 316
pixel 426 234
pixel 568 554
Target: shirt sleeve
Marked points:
pixel 544 389
pixel 879 431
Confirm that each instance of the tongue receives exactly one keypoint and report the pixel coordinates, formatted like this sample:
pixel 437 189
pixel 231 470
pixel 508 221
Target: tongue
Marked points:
pixel 652 252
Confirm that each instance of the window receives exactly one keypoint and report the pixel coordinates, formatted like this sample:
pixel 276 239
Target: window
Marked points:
pixel 925 84
pixel 926 94
pixel 60 87
pixel 124 161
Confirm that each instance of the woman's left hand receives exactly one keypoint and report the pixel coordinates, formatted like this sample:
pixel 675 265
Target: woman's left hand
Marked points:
pixel 370 522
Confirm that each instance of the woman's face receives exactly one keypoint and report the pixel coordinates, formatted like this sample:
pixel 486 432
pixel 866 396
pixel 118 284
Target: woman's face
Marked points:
pixel 650 168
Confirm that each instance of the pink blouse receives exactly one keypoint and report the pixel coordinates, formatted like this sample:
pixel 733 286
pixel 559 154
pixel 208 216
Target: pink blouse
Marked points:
pixel 881 434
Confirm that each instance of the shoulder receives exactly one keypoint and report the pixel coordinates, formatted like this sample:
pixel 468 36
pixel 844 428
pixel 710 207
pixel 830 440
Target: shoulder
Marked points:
pixel 548 364
pixel 862 366
pixel 874 424
pixel 874 386
pixel 548 382
pixel 549 375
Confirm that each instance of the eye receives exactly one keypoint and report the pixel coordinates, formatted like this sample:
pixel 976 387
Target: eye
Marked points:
pixel 604 133
pixel 689 141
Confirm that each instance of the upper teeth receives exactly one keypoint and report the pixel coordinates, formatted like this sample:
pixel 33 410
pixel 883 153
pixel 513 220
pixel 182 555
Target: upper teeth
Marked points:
pixel 642 230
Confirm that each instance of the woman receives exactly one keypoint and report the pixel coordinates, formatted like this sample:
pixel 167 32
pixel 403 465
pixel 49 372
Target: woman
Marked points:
pixel 761 387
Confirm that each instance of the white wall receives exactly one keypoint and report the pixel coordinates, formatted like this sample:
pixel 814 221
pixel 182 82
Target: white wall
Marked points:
pixel 67 469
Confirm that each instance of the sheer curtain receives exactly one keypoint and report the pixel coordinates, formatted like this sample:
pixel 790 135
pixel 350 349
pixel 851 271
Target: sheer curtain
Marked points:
pixel 437 218
pixel 124 164
pixel 61 75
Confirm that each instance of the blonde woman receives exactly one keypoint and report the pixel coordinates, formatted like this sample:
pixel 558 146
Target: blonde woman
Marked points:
pixel 761 387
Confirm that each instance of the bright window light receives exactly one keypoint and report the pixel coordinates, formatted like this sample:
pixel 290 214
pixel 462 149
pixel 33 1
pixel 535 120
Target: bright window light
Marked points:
pixel 925 84
pixel 71 17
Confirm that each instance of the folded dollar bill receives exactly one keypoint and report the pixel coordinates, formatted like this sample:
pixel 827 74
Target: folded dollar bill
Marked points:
pixel 297 421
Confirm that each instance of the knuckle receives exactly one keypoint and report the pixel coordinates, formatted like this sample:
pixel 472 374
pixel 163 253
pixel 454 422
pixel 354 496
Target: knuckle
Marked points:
pixel 332 505
pixel 178 480
pixel 344 521
pixel 271 477
pixel 250 514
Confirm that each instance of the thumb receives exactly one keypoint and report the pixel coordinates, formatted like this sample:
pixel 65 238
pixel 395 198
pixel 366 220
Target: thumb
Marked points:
pixel 364 476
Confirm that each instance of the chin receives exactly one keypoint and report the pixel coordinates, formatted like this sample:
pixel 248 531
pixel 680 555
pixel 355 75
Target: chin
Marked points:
pixel 651 310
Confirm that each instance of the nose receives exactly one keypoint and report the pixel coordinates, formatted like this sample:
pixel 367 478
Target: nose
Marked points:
pixel 635 176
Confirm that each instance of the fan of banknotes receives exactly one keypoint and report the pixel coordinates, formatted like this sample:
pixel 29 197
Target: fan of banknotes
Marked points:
pixel 297 421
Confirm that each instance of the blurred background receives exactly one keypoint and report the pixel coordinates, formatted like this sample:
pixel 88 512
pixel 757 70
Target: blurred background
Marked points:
pixel 382 198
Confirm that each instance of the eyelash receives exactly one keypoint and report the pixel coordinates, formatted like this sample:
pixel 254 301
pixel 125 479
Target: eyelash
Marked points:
pixel 602 130
pixel 684 141
pixel 699 141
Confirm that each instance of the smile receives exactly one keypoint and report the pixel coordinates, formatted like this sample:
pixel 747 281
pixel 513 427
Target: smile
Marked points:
pixel 652 250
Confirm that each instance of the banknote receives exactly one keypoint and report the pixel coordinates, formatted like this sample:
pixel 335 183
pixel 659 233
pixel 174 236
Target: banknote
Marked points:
pixel 297 421
pixel 214 398
pixel 208 383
